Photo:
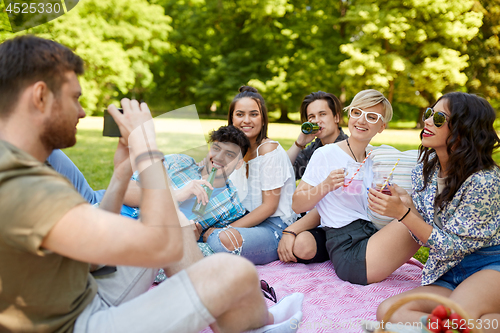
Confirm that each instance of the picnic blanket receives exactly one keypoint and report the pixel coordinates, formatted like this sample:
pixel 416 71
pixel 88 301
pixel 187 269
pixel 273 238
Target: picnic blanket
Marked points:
pixel 330 304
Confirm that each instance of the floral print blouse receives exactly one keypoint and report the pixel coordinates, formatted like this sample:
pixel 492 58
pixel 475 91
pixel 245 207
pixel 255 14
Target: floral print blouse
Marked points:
pixel 471 220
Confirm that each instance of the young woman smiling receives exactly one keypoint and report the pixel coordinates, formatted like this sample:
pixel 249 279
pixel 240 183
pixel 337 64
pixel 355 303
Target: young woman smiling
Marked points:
pixel 358 252
pixel 455 210
pixel 265 185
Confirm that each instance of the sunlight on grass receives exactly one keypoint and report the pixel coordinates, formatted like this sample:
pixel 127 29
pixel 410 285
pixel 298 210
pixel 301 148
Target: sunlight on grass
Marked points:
pixel 93 153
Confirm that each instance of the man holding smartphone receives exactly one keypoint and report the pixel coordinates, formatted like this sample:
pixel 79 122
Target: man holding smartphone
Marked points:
pixel 49 233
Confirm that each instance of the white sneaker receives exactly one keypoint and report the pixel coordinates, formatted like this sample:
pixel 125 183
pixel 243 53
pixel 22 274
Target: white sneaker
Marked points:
pixel 287 315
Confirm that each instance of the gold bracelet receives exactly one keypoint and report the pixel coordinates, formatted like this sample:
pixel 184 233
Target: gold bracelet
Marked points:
pixel 300 146
pixel 290 232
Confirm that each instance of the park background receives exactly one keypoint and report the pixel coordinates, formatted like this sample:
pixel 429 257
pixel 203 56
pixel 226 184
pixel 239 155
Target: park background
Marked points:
pixel 174 53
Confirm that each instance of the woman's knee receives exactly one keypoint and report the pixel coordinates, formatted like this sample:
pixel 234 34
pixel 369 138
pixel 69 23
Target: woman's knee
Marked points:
pixel 384 307
pixel 305 246
pixel 231 239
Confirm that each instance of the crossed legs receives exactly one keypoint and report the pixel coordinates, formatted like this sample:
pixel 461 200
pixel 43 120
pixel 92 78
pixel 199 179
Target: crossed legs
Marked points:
pixel 227 285
pixel 386 251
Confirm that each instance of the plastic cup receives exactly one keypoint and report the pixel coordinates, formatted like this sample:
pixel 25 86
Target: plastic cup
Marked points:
pixel 379 179
pixel 353 186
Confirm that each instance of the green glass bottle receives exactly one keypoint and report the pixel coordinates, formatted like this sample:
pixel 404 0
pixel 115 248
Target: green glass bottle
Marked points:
pixel 199 207
pixel 309 128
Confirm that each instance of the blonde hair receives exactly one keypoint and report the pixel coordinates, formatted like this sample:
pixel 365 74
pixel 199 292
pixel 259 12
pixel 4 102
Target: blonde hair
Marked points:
pixel 371 97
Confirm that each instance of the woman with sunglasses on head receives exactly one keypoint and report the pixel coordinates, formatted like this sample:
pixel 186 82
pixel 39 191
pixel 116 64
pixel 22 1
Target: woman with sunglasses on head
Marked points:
pixel 265 186
pixel 360 254
pixel 455 209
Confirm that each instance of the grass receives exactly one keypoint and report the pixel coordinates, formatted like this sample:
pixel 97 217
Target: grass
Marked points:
pixel 93 153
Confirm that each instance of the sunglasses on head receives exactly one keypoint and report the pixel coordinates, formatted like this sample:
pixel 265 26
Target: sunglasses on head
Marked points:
pixel 371 117
pixel 438 117
pixel 268 291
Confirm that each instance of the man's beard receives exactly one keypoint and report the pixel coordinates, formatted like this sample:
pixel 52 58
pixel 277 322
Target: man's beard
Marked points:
pixel 58 133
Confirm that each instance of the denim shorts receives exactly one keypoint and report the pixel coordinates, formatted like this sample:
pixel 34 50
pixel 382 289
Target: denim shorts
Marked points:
pixel 485 258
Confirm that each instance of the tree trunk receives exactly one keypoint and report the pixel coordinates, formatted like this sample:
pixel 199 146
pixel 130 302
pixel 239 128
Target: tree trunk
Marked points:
pixel 284 115
pixel 343 11
pixel 391 91
pixel 430 99
pixel 420 122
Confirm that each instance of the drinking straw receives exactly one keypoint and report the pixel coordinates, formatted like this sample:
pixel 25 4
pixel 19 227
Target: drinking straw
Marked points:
pixel 390 174
pixel 359 168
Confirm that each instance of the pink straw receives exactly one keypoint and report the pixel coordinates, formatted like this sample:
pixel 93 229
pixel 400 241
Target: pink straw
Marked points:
pixel 359 168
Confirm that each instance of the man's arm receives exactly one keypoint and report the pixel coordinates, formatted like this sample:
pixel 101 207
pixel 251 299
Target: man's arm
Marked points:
pixel 307 196
pixel 93 235
pixel 133 194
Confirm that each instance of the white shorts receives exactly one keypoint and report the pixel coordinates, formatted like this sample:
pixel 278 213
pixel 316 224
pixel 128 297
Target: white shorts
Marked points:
pixel 125 304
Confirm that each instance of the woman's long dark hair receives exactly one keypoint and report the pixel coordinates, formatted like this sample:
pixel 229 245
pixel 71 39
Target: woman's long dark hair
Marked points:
pixel 251 92
pixel 470 144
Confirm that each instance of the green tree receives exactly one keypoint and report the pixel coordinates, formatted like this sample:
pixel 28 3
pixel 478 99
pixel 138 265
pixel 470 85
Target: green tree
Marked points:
pixel 307 54
pixel 484 53
pixel 286 49
pixel 4 20
pixel 228 42
pixel 411 50
pixel 119 40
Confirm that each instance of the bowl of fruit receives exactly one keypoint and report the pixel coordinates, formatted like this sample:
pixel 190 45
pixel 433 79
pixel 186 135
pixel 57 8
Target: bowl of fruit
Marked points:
pixel 444 320
pixel 447 317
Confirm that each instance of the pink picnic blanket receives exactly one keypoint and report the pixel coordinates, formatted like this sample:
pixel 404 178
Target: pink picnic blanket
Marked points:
pixel 330 304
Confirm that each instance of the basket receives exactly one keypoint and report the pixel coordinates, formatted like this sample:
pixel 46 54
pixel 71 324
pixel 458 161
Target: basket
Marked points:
pixel 426 296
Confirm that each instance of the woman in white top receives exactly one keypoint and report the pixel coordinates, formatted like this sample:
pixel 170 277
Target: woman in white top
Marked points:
pixel 360 254
pixel 265 186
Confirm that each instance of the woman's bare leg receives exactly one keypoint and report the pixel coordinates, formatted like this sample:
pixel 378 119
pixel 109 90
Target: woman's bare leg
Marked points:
pixel 387 250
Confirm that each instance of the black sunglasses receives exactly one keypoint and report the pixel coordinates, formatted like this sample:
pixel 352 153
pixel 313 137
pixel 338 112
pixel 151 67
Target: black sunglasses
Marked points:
pixel 439 117
pixel 268 291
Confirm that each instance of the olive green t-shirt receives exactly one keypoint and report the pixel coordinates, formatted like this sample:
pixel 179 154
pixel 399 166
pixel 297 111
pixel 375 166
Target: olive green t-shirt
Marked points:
pixel 40 291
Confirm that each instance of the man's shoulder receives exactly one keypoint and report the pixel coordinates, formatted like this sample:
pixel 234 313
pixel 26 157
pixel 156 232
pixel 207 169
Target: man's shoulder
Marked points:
pixel 182 160
pixel 230 187
pixel 328 148
pixel 342 136
pixel 15 162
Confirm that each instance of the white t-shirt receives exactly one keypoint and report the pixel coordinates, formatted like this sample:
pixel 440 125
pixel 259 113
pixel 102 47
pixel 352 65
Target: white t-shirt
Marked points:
pixel 337 209
pixel 267 172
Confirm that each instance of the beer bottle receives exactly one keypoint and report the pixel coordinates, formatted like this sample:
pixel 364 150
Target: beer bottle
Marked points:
pixel 309 128
pixel 199 207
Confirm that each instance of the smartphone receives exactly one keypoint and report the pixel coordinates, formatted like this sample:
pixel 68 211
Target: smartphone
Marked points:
pixel 110 127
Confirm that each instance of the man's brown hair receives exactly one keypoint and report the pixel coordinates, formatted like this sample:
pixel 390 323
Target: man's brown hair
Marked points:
pixel 27 59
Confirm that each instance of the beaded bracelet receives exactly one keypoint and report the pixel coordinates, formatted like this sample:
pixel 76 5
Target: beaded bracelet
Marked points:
pixel 290 232
pixel 407 212
pixel 148 154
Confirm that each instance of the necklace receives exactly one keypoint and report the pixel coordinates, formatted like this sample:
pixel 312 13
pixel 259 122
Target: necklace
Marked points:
pixel 348 145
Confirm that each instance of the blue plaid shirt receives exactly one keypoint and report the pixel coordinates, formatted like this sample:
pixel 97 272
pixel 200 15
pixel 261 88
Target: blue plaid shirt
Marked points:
pixel 221 210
